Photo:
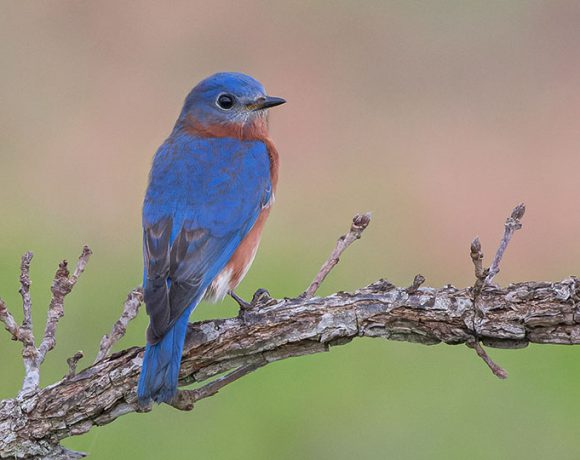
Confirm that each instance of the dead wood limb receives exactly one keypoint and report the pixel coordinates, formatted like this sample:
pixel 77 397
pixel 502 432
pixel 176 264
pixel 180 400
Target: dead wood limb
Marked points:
pixel 531 312
pixel 62 285
pixel 219 352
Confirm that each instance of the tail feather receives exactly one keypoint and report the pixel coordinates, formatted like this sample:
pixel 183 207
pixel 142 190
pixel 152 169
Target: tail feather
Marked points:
pixel 161 363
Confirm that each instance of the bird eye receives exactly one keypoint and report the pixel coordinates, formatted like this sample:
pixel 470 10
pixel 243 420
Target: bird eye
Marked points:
pixel 225 101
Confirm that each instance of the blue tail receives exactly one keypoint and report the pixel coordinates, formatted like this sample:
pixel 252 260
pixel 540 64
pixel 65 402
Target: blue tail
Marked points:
pixel 161 362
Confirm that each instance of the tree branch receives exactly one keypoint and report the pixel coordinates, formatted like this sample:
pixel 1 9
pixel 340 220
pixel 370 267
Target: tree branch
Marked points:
pixel 62 285
pixel 219 352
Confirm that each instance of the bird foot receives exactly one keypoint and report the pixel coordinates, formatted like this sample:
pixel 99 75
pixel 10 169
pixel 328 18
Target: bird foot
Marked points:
pixel 262 298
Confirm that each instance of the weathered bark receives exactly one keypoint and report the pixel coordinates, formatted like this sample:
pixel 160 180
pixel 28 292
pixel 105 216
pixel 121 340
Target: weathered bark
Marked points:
pixel 538 312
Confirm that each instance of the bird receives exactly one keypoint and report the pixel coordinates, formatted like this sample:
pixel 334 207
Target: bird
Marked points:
pixel 211 187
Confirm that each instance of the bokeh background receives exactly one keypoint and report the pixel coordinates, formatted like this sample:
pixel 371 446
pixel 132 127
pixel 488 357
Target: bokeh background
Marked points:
pixel 436 116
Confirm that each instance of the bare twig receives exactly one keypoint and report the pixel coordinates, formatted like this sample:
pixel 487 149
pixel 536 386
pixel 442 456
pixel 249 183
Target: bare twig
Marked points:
pixel 72 363
pixel 81 265
pixel 186 399
pixel 359 223
pixel 497 370
pixel 29 351
pixel 62 285
pixel 477 257
pixel 25 291
pixel 24 332
pixel 9 322
pixel 130 310
pixel 480 272
pixel 512 224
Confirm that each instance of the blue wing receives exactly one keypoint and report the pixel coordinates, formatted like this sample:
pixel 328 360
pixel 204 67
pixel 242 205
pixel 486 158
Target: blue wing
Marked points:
pixel 204 196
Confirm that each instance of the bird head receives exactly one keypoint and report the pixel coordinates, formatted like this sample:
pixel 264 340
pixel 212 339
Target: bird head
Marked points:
pixel 228 104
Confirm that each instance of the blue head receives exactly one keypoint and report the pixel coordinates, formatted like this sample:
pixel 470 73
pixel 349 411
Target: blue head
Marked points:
pixel 228 104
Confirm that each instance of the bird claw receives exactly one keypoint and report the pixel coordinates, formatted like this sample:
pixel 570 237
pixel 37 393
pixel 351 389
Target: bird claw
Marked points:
pixel 262 298
pixel 244 306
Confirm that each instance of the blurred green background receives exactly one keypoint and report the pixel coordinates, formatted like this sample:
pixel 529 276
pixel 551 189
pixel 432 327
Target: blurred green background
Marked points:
pixel 436 116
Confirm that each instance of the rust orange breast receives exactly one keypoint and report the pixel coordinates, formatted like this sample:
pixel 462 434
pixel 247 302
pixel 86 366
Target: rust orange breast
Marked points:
pixel 244 255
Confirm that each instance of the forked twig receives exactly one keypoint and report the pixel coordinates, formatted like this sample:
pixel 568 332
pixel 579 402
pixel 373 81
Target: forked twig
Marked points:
pixel 484 277
pixel 62 285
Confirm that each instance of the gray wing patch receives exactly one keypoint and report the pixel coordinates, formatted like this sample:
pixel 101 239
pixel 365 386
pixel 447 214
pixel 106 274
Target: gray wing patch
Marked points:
pixel 185 271
pixel 156 295
pixel 174 275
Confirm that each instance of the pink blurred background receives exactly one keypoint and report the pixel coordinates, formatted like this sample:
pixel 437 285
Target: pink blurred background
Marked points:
pixel 438 117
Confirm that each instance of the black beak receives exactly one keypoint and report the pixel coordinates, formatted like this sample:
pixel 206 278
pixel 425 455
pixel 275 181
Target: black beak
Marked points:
pixel 267 102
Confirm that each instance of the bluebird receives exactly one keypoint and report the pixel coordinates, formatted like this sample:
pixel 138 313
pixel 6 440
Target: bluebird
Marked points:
pixel 210 190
